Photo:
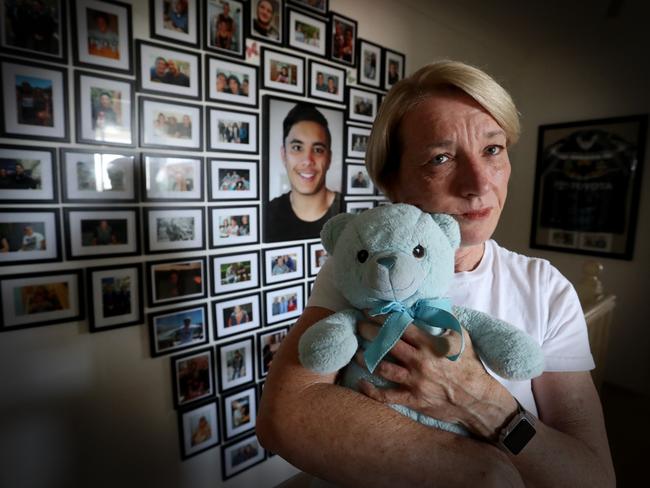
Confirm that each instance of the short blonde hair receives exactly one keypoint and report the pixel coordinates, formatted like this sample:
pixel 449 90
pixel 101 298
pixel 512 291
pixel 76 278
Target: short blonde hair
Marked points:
pixel 384 146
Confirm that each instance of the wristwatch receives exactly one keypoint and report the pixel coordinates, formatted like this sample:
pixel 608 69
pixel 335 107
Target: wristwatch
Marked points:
pixel 518 432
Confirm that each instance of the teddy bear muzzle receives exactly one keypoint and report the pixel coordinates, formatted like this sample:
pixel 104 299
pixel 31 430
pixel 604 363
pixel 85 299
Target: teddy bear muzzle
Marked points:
pixel 391 276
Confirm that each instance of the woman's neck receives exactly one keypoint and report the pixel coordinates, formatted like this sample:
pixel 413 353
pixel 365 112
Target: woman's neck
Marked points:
pixel 468 257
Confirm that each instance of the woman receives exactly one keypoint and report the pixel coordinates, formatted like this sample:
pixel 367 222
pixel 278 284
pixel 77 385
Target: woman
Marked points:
pixel 263 21
pixel 440 142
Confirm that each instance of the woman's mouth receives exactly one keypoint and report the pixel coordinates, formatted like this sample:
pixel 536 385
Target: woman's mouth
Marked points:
pixel 476 214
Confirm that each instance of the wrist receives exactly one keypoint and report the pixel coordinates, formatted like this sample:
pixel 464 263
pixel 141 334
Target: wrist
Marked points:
pixel 492 413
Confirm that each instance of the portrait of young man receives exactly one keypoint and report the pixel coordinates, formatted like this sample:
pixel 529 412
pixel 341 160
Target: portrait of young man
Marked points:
pixel 303 149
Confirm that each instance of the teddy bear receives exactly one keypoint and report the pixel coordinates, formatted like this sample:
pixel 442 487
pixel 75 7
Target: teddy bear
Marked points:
pixel 398 260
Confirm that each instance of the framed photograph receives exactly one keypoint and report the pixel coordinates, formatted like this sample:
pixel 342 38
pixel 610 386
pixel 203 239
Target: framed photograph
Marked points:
pixel 284 264
pixel 102 35
pixel 101 232
pixel 343 35
pixel 358 206
pixel 297 189
pixel 236 363
pixel 231 82
pixel 240 455
pixel 103 177
pixel 29 235
pixel 268 343
pixel 34 101
pixel 175 21
pixel 306 33
pixel 43 298
pixel 357 180
pixel 193 377
pixel 282 71
pixel 317 257
pixel 178 329
pixel 232 131
pixel 266 20
pixel 317 6
pixel 233 226
pixel 239 412
pixel 174 280
pixel 115 296
pixel 170 125
pixel 236 315
pixel 172 178
pixel 172 72
pixel 28 174
pixel 171 229
pixel 393 68
pixel 369 71
pixel 326 82
pixel 199 429
pixel 284 303
pixel 357 141
pixel 235 272
pixel 232 179
pixel 587 186
pixel 224 27
pixel 362 105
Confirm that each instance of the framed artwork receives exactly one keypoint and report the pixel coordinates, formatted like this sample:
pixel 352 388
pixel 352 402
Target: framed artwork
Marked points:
pixel 199 429
pixel 171 229
pixel 369 71
pixel 284 303
pixel 34 101
pixel 177 280
pixel 224 27
pixel 172 178
pixel 233 226
pixel 343 36
pixel 170 125
pixel 193 377
pixel 357 180
pixel 357 141
pixel 268 343
pixel 176 22
pixel 310 287
pixel 286 171
pixel 102 35
pixel 101 232
pixel 236 315
pixel 326 81
pixel 393 68
pixel 232 179
pixel 231 82
pixel 178 329
pixel 239 412
pixel 102 177
pixel 358 206
pixel 115 296
pixel 240 455
pixel 362 105
pixel 43 298
pixel 306 33
pixel 29 235
pixel 284 264
pixel 232 131
pixel 235 272
pixel 317 257
pixel 587 186
pixel 282 71
pixel 266 23
pixel 317 6
pixel 28 174
pixel 236 363
pixel 166 71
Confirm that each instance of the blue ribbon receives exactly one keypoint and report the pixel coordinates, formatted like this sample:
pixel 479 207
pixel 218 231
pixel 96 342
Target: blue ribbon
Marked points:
pixel 425 314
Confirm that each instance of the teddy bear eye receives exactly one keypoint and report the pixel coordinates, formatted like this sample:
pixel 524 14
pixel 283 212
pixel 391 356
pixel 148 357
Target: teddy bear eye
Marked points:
pixel 362 256
pixel 418 251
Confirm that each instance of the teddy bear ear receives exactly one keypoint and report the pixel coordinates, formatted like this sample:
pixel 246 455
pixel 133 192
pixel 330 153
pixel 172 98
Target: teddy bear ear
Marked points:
pixel 332 230
pixel 449 226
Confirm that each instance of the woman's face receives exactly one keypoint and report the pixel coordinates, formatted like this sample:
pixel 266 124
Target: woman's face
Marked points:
pixel 264 12
pixel 454 160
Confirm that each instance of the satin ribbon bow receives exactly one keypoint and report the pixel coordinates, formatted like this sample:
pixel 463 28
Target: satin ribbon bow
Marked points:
pixel 425 314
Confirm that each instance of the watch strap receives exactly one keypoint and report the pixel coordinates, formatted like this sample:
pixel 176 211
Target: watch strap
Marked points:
pixel 518 431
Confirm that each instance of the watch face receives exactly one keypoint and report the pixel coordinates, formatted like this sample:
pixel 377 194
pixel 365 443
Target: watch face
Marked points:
pixel 518 437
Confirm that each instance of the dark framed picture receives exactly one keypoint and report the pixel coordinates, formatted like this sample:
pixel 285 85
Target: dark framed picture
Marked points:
pixel 587 186
pixel 34 101
pixel 284 264
pixel 199 428
pixel 317 6
pixel 28 174
pixel 358 206
pixel 233 179
pixel 233 226
pixel 301 193
pixel 343 36
pixel 236 315
pixel 284 303
pixel 235 272
pixel 362 105
pixel 175 21
pixel 266 22
pixel 102 177
pixel 240 455
pixel 236 363
pixel 172 229
pixel 172 178
pixel 115 296
pixel 43 298
pixel 102 35
pixel 231 82
pixel 178 329
pixel 317 256
pixel 370 62
pixel 326 81
pixel 268 343
pixel 177 280
pixel 239 412
pixel 170 125
pixel 357 180
pixel 166 71
pixel 306 33
pixel 393 68
pixel 29 235
pixel 356 141
pixel 193 377
pixel 282 71
pixel 232 131
pixel 224 27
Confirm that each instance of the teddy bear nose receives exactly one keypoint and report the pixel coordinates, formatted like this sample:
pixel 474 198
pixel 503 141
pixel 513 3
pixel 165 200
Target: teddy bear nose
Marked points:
pixel 387 261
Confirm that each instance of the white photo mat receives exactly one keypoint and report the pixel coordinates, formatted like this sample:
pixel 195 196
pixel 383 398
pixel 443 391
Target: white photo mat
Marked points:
pixel 191 421
pixel 101 164
pixel 219 216
pixel 98 303
pixel 221 284
pixel 275 298
pixel 75 219
pixel 159 170
pixel 48 220
pixel 270 255
pixel 155 219
pixel 227 380
pixel 218 187
pixel 254 321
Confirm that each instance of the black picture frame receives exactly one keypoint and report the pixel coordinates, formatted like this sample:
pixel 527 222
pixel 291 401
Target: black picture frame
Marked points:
pixel 239 420
pixel 250 315
pixel 295 291
pixel 364 71
pixel 391 56
pixel 239 449
pixel 212 9
pixel 158 20
pixel 362 185
pixel 162 343
pixel 293 41
pixel 219 240
pixel 268 342
pixel 206 354
pixel 190 447
pixel 339 81
pixel 273 35
pixel 352 150
pixel 322 8
pixel 27 191
pixel 190 282
pixel 362 104
pixel 158 138
pixel 243 72
pixel 22 248
pixel 339 46
pixel 176 234
pixel 221 190
pixel 251 271
pixel 358 206
pixel 242 374
pixel 188 182
pixel 271 60
pixel 216 130
pixel 280 272
pixel 317 256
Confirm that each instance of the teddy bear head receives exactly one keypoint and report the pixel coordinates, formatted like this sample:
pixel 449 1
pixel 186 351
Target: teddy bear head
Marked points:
pixel 391 253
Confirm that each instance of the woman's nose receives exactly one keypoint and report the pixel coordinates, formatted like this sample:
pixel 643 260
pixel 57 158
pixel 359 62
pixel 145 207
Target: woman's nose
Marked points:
pixel 474 177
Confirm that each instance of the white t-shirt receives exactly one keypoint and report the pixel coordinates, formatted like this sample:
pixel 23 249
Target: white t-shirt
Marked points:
pixel 526 292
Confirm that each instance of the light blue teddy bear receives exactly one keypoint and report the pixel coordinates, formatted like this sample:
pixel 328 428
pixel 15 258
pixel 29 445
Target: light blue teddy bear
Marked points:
pixel 399 260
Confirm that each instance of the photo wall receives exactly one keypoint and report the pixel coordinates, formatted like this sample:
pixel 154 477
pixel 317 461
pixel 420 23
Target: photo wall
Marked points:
pixel 179 182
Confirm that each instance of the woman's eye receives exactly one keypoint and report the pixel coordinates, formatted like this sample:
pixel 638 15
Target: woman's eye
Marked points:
pixel 493 150
pixel 439 159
